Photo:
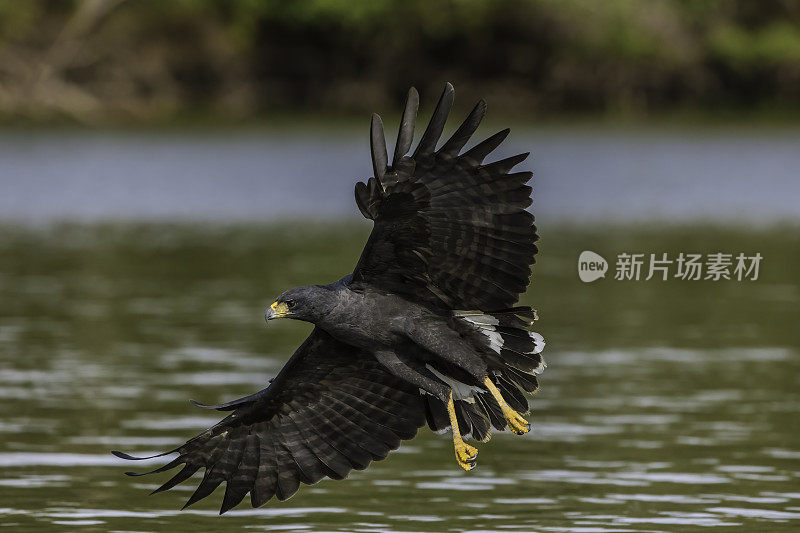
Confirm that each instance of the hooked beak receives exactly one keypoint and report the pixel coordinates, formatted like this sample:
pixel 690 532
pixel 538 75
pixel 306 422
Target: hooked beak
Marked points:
pixel 277 310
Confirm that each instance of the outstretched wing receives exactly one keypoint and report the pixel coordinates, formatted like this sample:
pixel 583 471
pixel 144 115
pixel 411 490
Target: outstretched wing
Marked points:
pixel 448 230
pixel 331 409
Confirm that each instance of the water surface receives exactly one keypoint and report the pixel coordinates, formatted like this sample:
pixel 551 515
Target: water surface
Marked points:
pixel 666 405
pixel 581 174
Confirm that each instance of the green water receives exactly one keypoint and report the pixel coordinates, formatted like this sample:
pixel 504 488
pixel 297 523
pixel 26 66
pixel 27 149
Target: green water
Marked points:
pixel 667 405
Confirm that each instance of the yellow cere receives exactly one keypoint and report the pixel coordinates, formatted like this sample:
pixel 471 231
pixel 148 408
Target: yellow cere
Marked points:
pixel 280 309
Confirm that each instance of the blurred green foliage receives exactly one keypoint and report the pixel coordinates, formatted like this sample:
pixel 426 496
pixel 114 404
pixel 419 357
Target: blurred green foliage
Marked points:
pixel 118 59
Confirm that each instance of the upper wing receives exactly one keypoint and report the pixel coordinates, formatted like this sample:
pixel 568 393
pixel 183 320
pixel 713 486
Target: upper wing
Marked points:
pixel 332 408
pixel 448 230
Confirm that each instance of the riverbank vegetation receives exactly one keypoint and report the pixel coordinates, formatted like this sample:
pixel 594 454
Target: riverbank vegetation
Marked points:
pixel 101 61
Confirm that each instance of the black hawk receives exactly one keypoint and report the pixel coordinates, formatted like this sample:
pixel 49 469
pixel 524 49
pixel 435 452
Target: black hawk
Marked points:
pixel 425 329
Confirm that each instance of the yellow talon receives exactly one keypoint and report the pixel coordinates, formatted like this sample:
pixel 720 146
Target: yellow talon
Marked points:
pixel 518 425
pixel 515 421
pixel 466 455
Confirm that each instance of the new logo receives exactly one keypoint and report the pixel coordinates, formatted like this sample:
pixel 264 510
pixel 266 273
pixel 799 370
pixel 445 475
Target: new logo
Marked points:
pixel 591 266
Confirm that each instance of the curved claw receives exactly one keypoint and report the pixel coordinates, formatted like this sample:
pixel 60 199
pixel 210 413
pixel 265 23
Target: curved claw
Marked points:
pixel 516 423
pixel 466 455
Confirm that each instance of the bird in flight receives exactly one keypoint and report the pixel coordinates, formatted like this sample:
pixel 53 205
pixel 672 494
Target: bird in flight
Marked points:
pixel 425 329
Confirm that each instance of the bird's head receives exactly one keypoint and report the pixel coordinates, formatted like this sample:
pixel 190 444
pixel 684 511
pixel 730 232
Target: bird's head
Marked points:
pixel 310 303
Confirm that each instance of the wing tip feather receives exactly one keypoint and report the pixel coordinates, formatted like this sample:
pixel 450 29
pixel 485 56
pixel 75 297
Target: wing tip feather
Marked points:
pixel 405 136
pixel 128 457
pixel 427 144
pixel 377 142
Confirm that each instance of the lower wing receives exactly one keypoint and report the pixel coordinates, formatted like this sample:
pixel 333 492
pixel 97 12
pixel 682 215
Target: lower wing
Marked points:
pixel 331 409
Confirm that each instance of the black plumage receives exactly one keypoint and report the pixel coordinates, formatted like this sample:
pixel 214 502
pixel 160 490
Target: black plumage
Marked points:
pixel 423 330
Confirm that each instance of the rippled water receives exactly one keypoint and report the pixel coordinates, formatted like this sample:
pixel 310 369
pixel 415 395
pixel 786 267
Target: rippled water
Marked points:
pixel 666 405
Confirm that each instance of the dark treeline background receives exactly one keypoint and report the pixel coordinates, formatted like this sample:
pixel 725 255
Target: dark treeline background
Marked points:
pixel 150 60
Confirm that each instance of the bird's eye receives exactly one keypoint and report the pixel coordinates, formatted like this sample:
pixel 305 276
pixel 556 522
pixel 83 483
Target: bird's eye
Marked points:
pixel 289 303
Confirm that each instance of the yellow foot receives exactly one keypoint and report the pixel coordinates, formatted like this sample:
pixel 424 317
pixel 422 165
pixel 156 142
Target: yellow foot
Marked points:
pixel 516 423
pixel 466 455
